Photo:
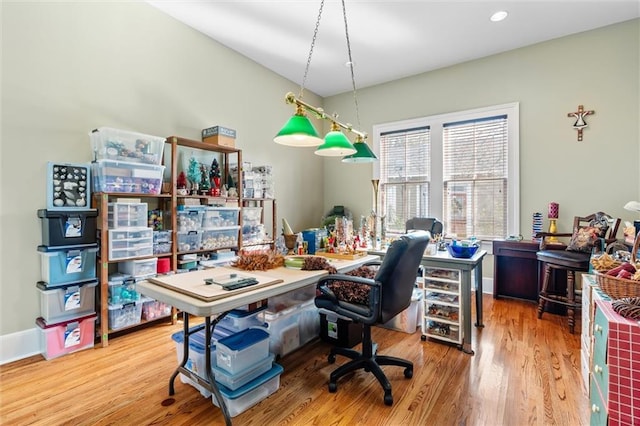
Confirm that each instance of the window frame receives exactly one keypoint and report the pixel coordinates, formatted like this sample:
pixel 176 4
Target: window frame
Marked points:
pixel 436 126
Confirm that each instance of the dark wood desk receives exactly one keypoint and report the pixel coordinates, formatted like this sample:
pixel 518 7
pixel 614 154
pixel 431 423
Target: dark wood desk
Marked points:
pixel 517 274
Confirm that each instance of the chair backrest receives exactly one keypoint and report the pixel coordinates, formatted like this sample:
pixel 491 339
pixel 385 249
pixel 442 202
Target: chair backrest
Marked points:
pixel 397 273
pixel 431 224
pixel 612 223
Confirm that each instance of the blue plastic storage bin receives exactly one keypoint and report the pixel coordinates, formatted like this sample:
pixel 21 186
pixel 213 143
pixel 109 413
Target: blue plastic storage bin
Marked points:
pixel 196 362
pixel 245 397
pixel 242 350
pixel 68 264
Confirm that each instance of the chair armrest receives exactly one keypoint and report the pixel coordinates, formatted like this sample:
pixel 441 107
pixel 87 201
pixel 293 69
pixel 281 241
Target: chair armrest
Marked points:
pixel 346 308
pixel 543 239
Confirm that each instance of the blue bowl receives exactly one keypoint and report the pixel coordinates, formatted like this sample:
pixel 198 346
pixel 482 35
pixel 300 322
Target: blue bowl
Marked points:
pixel 461 251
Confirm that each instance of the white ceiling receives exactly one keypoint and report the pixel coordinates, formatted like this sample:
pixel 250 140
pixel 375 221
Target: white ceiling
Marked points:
pixel 389 39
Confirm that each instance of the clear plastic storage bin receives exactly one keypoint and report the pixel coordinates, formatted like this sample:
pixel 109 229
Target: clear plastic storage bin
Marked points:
pixel 153 309
pixel 189 241
pixel 122 290
pixel 216 217
pixel 242 350
pixel 125 315
pixel 196 358
pixel 118 176
pixel 245 397
pixel 292 327
pixel 251 215
pixel 190 220
pixel 67 302
pixel 123 145
pixel 238 320
pixel 219 238
pixel 234 381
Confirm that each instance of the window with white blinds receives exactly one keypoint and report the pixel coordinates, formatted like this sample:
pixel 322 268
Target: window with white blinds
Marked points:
pixel 462 168
pixel 475 177
pixel 404 176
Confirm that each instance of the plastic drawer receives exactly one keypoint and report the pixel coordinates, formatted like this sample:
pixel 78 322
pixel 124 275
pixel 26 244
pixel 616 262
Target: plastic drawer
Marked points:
pixel 139 268
pixel 127 215
pixel 130 243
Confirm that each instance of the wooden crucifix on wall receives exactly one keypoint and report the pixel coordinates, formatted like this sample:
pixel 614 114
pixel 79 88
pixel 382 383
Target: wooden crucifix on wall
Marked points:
pixel 580 123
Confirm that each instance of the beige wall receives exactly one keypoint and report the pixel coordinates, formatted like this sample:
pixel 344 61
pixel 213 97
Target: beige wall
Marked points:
pixel 599 69
pixel 70 67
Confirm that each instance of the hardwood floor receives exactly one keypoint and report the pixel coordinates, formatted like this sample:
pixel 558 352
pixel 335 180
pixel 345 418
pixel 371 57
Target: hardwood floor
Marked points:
pixel 525 371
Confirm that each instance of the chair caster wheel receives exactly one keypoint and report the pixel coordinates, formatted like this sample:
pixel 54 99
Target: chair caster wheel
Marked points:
pixel 333 387
pixel 423 338
pixel 408 373
pixel 388 398
pixel 331 358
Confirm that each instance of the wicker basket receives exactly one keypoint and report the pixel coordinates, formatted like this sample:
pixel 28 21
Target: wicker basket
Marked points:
pixel 617 288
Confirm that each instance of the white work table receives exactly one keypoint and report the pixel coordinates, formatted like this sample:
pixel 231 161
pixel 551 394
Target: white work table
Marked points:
pixel 288 280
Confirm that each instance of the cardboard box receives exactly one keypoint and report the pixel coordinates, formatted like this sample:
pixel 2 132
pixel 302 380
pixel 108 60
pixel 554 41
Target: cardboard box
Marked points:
pixel 219 135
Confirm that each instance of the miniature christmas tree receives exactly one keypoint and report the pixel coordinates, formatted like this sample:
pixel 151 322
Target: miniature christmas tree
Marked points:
pixel 181 182
pixel 214 175
pixel 204 179
pixel 193 174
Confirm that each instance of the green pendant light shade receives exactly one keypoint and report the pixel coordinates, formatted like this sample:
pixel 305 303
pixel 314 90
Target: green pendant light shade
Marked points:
pixel 298 131
pixel 363 154
pixel 336 144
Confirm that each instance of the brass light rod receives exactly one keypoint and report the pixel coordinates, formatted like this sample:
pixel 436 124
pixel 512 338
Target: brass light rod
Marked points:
pixel 290 98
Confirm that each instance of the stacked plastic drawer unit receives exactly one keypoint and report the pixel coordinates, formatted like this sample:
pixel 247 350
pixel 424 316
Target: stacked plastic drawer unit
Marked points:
pixel 131 237
pixel 127 162
pixel 68 263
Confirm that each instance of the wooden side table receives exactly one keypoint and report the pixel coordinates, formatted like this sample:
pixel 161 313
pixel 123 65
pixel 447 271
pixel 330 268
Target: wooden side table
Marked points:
pixel 516 271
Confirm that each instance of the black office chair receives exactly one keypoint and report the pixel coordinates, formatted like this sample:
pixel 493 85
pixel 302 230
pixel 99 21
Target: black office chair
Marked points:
pixel 390 293
pixel 431 224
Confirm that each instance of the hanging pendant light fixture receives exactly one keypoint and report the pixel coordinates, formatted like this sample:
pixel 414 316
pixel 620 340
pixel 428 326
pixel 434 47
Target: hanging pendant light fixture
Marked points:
pixel 363 153
pixel 336 144
pixel 299 131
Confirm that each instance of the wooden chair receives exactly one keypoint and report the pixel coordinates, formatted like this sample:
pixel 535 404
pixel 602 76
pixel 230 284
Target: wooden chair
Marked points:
pixel 570 261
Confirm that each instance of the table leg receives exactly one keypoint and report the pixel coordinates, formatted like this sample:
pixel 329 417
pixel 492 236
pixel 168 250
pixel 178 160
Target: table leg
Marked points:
pixel 209 373
pixel 466 312
pixel 478 273
pixel 185 353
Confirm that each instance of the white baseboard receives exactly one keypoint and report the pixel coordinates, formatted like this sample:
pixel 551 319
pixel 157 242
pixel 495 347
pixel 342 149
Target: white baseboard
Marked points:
pixel 19 345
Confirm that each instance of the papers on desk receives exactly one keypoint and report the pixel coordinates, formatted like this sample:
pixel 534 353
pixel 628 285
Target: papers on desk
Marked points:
pixel 212 284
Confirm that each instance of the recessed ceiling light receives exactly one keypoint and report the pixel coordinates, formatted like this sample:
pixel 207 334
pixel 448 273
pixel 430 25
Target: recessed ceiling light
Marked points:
pixel 499 16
